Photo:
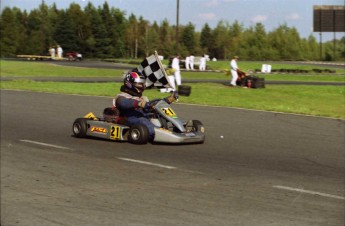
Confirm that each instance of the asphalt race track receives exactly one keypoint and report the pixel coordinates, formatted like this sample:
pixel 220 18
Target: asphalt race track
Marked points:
pixel 268 169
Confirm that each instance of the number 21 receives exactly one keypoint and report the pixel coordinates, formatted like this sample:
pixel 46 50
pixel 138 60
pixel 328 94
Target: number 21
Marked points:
pixel 115 132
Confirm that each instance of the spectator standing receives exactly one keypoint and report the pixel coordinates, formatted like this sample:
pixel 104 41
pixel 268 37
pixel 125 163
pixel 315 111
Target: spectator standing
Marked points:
pixel 52 52
pixel 176 66
pixel 202 64
pixel 234 68
pixel 59 51
pixel 187 62
pixel 191 62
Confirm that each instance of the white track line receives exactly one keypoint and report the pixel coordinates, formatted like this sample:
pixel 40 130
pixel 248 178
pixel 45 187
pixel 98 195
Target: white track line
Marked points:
pixel 309 192
pixel 147 163
pixel 45 144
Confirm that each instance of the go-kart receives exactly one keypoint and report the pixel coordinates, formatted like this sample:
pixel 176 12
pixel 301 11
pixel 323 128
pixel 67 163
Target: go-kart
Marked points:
pixel 169 128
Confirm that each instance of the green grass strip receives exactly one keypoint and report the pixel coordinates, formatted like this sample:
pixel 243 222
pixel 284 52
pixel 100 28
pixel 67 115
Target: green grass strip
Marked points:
pixel 46 69
pixel 328 101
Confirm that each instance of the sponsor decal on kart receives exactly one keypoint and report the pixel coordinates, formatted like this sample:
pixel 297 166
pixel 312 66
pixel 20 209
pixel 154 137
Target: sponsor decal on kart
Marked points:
pixel 169 112
pixel 95 129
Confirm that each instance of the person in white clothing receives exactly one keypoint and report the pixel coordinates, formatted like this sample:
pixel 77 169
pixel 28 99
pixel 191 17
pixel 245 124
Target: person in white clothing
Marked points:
pixel 59 51
pixel 52 52
pixel 191 62
pixel 202 64
pixel 234 68
pixel 176 66
pixel 187 62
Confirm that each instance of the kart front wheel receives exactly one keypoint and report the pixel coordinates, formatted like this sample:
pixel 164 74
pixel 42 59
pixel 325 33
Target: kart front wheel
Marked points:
pixel 138 134
pixel 80 127
pixel 198 127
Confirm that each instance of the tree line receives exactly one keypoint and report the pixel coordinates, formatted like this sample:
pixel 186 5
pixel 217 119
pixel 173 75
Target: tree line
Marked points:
pixel 106 32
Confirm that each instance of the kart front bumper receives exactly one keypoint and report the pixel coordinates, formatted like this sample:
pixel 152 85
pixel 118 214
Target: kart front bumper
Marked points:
pixel 166 136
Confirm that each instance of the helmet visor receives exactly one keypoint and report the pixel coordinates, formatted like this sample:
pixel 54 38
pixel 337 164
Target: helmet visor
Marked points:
pixel 140 86
pixel 139 80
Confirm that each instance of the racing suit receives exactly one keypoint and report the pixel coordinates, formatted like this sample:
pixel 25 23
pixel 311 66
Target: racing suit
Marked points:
pixel 127 102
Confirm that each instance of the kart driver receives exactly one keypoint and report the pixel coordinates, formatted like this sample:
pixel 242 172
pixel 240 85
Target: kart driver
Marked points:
pixel 133 105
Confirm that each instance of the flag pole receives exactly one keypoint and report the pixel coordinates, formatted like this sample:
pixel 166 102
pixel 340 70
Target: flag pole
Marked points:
pixel 163 69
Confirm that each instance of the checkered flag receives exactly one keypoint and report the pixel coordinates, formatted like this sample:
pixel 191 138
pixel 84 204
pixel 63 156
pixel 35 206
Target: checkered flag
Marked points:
pixel 154 72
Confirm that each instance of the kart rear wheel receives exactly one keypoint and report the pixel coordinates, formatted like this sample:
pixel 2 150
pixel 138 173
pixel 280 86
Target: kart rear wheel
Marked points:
pixel 138 134
pixel 80 127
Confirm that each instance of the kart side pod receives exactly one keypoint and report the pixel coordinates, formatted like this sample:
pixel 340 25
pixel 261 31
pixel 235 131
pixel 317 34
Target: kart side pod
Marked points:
pixel 83 127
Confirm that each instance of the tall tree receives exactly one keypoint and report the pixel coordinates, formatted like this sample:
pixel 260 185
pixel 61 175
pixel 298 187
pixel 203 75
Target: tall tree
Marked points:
pixel 36 36
pixel 254 43
pixel 81 25
pixel 8 33
pixel 309 48
pixel 98 43
pixel 143 29
pixel 109 24
pixel 119 32
pixel 188 38
pixel 342 48
pixel 65 34
pixel 235 38
pixel 132 36
pixel 206 39
pixel 286 42
pixel 167 39
pixel 153 43
pixel 21 18
pixel 221 40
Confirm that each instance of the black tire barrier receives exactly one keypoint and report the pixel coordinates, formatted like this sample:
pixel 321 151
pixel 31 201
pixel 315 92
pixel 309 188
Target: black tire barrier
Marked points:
pixel 255 82
pixel 298 71
pixel 184 90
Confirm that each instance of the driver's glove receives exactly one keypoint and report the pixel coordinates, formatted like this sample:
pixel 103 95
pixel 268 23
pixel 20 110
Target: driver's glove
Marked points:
pixel 173 97
pixel 143 104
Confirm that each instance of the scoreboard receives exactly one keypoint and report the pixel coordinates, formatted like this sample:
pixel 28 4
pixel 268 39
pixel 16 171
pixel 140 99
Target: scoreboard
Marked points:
pixel 329 18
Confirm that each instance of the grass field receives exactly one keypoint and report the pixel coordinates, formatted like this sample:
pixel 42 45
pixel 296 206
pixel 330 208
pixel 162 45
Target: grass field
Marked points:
pixel 30 69
pixel 248 65
pixel 326 101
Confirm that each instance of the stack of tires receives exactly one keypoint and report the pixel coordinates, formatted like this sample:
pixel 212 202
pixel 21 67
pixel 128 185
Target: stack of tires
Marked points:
pixel 258 83
pixel 184 90
pixel 255 82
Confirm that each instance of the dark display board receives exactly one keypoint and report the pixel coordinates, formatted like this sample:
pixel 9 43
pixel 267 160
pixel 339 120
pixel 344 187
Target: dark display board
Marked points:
pixel 329 18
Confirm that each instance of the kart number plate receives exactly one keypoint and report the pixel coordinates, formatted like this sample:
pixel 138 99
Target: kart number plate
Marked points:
pixel 115 132
pixel 169 112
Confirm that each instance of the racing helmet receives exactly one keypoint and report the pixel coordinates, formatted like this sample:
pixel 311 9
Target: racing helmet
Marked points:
pixel 135 81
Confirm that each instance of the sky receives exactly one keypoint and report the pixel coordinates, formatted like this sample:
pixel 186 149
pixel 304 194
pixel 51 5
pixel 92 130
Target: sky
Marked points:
pixel 271 13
